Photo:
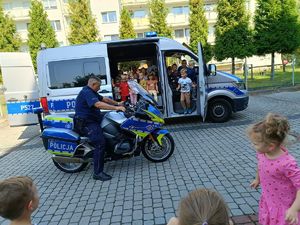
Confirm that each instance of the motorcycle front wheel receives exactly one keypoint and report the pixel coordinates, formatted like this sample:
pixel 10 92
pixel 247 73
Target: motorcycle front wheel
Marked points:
pixel 70 167
pixel 156 153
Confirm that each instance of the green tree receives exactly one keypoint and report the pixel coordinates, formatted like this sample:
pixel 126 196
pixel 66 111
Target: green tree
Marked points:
pixel 126 27
pixel 233 34
pixel 40 30
pixel 276 28
pixel 9 39
pixel 199 28
pixel 157 18
pixel 297 52
pixel 83 27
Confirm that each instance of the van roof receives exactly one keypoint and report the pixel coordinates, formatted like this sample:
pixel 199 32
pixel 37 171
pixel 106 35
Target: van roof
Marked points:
pixel 164 43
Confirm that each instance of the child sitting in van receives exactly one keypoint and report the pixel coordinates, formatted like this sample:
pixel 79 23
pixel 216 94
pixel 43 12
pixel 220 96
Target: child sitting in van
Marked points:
pixel 152 87
pixel 143 81
pixel 116 87
pixel 124 88
pixel 132 93
pixel 18 200
pixel 185 85
pixel 203 207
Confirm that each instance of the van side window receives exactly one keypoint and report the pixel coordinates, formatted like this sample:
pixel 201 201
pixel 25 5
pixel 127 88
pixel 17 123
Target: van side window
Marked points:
pixel 75 72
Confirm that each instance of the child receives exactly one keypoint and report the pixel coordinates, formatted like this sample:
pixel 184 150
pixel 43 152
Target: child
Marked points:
pixel 116 87
pixel 185 84
pixel 124 88
pixel 143 81
pixel 278 173
pixel 152 85
pixel 133 93
pixel 202 207
pixel 18 200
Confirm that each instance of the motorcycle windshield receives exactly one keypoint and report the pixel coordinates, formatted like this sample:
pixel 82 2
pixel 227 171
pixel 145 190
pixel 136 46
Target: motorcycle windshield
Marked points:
pixel 133 85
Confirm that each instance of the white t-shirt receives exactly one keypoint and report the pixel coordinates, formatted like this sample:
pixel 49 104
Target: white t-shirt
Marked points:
pixel 185 84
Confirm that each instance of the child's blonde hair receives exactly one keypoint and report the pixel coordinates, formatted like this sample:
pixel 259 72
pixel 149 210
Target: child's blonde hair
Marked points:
pixel 183 70
pixel 273 129
pixel 15 195
pixel 203 206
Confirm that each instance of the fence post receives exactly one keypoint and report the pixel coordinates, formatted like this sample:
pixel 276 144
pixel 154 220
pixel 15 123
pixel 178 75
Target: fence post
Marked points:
pixel 251 71
pixel 293 69
pixel 246 68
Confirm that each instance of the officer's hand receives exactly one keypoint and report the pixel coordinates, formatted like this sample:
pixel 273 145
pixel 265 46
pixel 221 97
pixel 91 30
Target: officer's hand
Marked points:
pixel 121 103
pixel 121 108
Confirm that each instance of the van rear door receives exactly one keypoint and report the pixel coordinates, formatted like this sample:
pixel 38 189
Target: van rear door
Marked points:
pixel 21 91
pixel 64 71
pixel 202 85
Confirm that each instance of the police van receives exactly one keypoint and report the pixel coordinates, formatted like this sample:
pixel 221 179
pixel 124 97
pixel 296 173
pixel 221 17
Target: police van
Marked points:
pixel 63 71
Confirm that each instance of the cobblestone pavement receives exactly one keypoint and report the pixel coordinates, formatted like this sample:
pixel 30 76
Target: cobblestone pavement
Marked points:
pixel 207 155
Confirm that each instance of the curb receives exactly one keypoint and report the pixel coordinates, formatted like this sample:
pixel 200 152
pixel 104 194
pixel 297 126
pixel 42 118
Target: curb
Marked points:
pixel 274 90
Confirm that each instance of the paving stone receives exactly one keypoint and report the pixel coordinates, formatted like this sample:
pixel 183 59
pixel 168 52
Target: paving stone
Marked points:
pixel 217 156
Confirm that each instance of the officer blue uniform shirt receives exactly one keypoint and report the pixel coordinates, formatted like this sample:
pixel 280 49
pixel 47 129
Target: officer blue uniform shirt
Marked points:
pixel 85 102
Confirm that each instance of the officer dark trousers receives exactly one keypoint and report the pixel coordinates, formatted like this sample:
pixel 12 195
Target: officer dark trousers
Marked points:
pixel 94 132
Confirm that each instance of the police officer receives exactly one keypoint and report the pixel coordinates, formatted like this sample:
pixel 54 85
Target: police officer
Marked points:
pixel 88 119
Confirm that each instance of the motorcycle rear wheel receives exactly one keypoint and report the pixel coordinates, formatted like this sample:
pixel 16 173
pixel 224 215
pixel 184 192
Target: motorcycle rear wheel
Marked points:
pixel 70 167
pixel 155 153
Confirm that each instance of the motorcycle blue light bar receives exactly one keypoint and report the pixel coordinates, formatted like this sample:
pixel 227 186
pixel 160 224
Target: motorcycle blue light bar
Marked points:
pixel 151 34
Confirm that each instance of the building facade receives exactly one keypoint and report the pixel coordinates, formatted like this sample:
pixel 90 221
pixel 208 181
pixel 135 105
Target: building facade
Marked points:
pixel 107 15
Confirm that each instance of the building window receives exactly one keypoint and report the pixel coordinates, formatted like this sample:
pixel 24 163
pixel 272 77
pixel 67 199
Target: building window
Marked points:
pixel 180 10
pixel 139 14
pixel 111 37
pixel 109 17
pixel 7 6
pixel 50 4
pixel 179 33
pixel 56 25
pixel 187 32
pixel 211 31
pixel 210 7
pixel 140 35
pixel 26 4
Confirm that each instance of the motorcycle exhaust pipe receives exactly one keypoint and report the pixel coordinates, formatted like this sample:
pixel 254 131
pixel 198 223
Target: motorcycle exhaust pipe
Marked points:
pixel 62 159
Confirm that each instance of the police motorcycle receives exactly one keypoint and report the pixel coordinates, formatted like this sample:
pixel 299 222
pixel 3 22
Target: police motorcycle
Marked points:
pixel 127 134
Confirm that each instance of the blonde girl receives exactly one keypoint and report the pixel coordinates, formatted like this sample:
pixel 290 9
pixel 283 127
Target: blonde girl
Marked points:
pixel 202 207
pixel 277 172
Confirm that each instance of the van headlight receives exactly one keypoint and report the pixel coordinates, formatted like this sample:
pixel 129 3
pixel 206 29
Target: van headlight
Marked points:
pixel 239 85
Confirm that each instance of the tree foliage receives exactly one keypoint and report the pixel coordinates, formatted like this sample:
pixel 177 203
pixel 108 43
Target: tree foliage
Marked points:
pixel 157 18
pixel 199 28
pixel 83 27
pixel 276 27
pixel 233 34
pixel 40 30
pixel 126 26
pixel 10 41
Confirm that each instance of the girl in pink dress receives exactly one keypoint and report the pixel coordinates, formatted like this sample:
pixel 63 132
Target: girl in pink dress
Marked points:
pixel 277 173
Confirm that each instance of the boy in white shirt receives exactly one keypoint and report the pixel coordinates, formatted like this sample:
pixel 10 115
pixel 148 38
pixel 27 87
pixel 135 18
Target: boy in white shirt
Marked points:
pixel 185 85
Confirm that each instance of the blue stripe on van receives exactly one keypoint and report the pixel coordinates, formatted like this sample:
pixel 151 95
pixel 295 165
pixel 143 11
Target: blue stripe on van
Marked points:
pixel 230 75
pixel 63 104
pixel 21 107
pixel 233 89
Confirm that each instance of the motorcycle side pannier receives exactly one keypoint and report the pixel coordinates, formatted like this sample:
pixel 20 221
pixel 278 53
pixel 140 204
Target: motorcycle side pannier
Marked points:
pixel 60 141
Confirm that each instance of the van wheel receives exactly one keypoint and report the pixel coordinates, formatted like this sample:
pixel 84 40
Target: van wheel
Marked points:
pixel 219 110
